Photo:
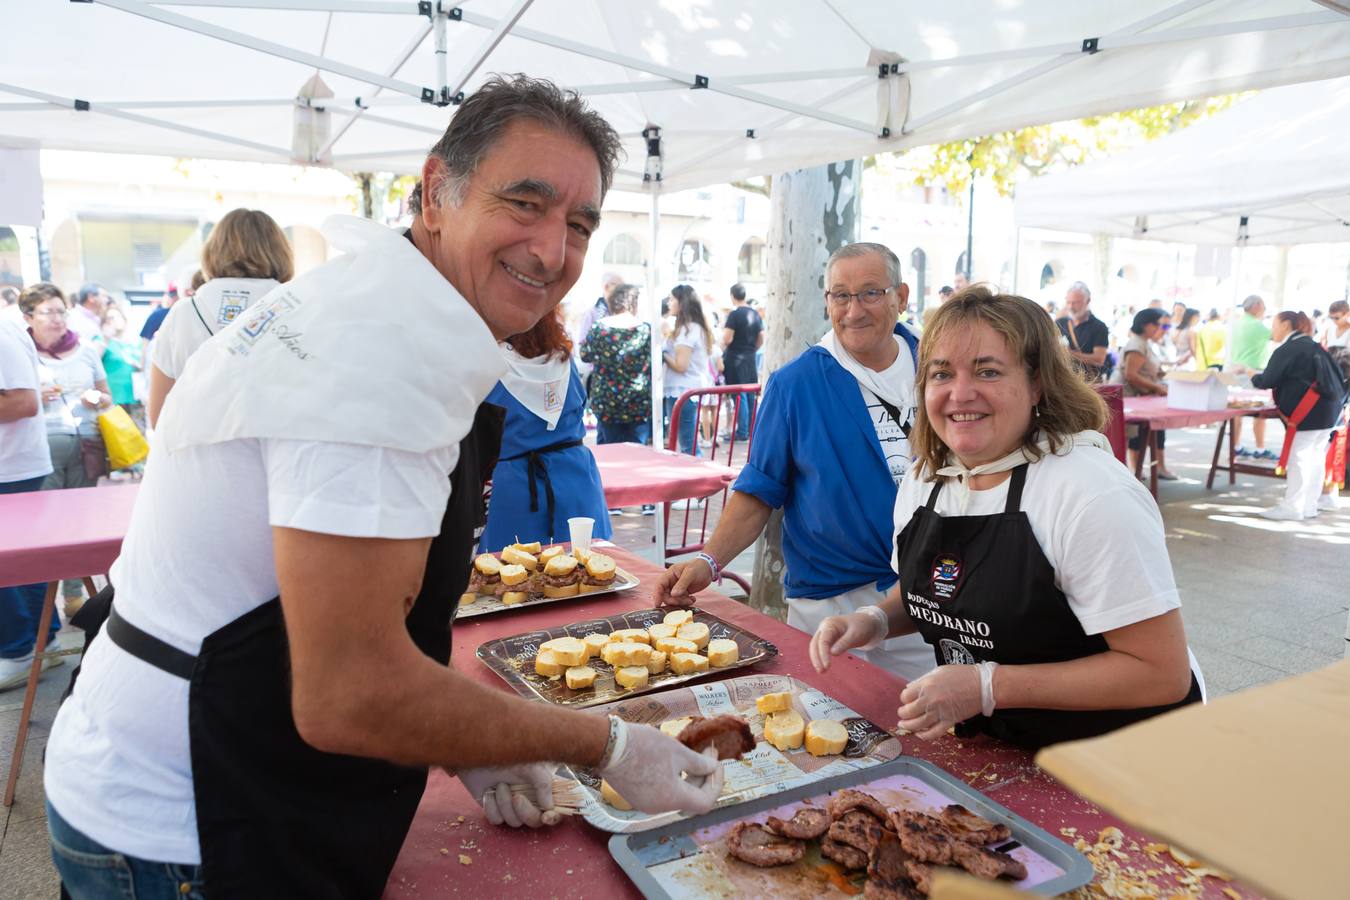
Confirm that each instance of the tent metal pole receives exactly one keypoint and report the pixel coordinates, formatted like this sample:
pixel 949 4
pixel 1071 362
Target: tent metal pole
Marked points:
pixel 438 29
pixel 688 78
pixel 350 6
pixel 480 56
pixel 626 87
pixel 385 120
pixel 1048 66
pixel 719 149
pixel 69 103
pixel 653 288
pixel 248 41
pixel 399 61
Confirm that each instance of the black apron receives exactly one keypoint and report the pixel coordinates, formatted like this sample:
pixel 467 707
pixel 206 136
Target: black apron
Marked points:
pixel 276 817
pixel 980 588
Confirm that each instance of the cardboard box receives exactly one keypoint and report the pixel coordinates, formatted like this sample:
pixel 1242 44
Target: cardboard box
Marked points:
pixel 1254 783
pixel 1198 390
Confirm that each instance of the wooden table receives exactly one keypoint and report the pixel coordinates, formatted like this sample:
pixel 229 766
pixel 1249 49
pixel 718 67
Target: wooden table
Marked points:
pixel 46 536
pixel 1152 415
pixel 572 859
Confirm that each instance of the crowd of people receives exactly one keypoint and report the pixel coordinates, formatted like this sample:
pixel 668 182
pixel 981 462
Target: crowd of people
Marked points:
pixel 267 684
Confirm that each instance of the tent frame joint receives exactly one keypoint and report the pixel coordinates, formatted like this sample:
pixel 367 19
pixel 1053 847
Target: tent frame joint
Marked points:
pixel 750 133
pixel 81 105
pixel 700 83
pixel 435 97
pixel 1090 45
pixel 454 13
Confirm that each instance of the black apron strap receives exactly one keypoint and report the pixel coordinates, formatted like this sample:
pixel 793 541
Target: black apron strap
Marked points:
pixel 1019 481
pixel 538 471
pixel 894 412
pixel 148 648
pixel 931 505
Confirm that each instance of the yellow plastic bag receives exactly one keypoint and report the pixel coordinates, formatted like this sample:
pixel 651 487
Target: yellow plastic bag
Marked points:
pixel 126 445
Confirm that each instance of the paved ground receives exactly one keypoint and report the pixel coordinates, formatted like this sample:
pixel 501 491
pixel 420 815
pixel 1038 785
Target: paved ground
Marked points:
pixel 1261 600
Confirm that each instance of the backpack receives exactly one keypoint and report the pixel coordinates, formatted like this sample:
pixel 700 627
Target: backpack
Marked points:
pixel 1330 378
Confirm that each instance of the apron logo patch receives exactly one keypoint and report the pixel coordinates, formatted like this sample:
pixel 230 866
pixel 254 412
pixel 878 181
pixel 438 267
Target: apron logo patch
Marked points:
pixel 953 654
pixel 553 396
pixel 947 575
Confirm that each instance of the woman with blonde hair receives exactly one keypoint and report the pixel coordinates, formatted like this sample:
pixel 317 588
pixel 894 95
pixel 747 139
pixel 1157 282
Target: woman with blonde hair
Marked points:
pixel 1029 558
pixel 245 257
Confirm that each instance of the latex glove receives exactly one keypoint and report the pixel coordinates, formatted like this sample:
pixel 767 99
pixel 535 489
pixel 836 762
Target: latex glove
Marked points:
pixel 938 700
pixel 491 787
pixel 680 582
pixel 646 771
pixel 839 634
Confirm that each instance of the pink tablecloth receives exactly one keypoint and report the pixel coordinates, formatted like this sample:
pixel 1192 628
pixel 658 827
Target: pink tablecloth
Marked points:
pixel 1160 416
pixel 49 535
pixel 451 850
pixel 634 473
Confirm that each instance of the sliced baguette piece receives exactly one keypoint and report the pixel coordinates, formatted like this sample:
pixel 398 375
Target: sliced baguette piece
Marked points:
pixel 688 663
pixel 723 652
pixel 678 617
pixel 631 677
pixel 785 730
pixel 826 737
pixel 775 702
pixel 694 631
pixel 579 677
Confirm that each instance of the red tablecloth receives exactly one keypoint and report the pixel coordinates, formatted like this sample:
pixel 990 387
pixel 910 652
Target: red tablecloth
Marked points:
pixel 635 473
pixel 572 859
pixel 1160 416
pixel 49 535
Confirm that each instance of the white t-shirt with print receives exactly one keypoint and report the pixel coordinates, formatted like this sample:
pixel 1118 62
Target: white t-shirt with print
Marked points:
pixel 900 378
pixel 220 301
pixel 197 556
pixel 695 375
pixel 1097 526
pixel 24 451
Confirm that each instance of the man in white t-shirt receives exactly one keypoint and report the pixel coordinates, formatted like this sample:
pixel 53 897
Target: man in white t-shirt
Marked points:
pixel 830 446
pixel 25 462
pixel 259 713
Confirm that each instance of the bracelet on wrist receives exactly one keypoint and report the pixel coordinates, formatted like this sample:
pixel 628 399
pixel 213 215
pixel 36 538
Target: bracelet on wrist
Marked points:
pixel 712 566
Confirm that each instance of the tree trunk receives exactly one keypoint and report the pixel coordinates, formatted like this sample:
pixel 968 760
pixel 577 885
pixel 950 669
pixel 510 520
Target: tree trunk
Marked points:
pixel 366 182
pixel 813 212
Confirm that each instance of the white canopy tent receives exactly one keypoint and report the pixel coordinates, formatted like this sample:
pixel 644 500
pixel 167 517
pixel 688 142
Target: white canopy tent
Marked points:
pixel 701 91
pixel 735 89
pixel 1274 169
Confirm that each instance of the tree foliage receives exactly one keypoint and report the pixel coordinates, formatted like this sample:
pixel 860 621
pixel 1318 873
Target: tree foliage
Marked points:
pixel 1009 156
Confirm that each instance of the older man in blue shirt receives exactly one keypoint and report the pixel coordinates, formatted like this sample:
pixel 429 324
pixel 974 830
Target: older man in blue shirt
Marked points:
pixel 831 446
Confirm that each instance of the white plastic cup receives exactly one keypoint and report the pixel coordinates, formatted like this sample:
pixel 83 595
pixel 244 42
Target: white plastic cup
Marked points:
pixel 579 529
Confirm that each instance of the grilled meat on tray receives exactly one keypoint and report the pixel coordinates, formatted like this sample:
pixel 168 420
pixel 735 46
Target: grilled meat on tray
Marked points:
pixel 731 735
pixel 753 843
pixel 806 823
pixel 971 828
pixel 848 799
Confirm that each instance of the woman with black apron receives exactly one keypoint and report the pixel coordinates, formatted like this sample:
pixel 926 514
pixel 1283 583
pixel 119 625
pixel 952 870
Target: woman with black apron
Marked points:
pixel 1029 558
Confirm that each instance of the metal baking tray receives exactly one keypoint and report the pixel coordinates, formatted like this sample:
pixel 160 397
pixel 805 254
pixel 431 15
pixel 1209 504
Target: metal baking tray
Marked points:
pixel 765 770
pixel 485 606
pixel 687 859
pixel 513 658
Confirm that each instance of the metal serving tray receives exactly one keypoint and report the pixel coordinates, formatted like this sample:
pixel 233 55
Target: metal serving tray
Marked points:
pixel 763 771
pixel 688 859
pixel 485 606
pixel 513 658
